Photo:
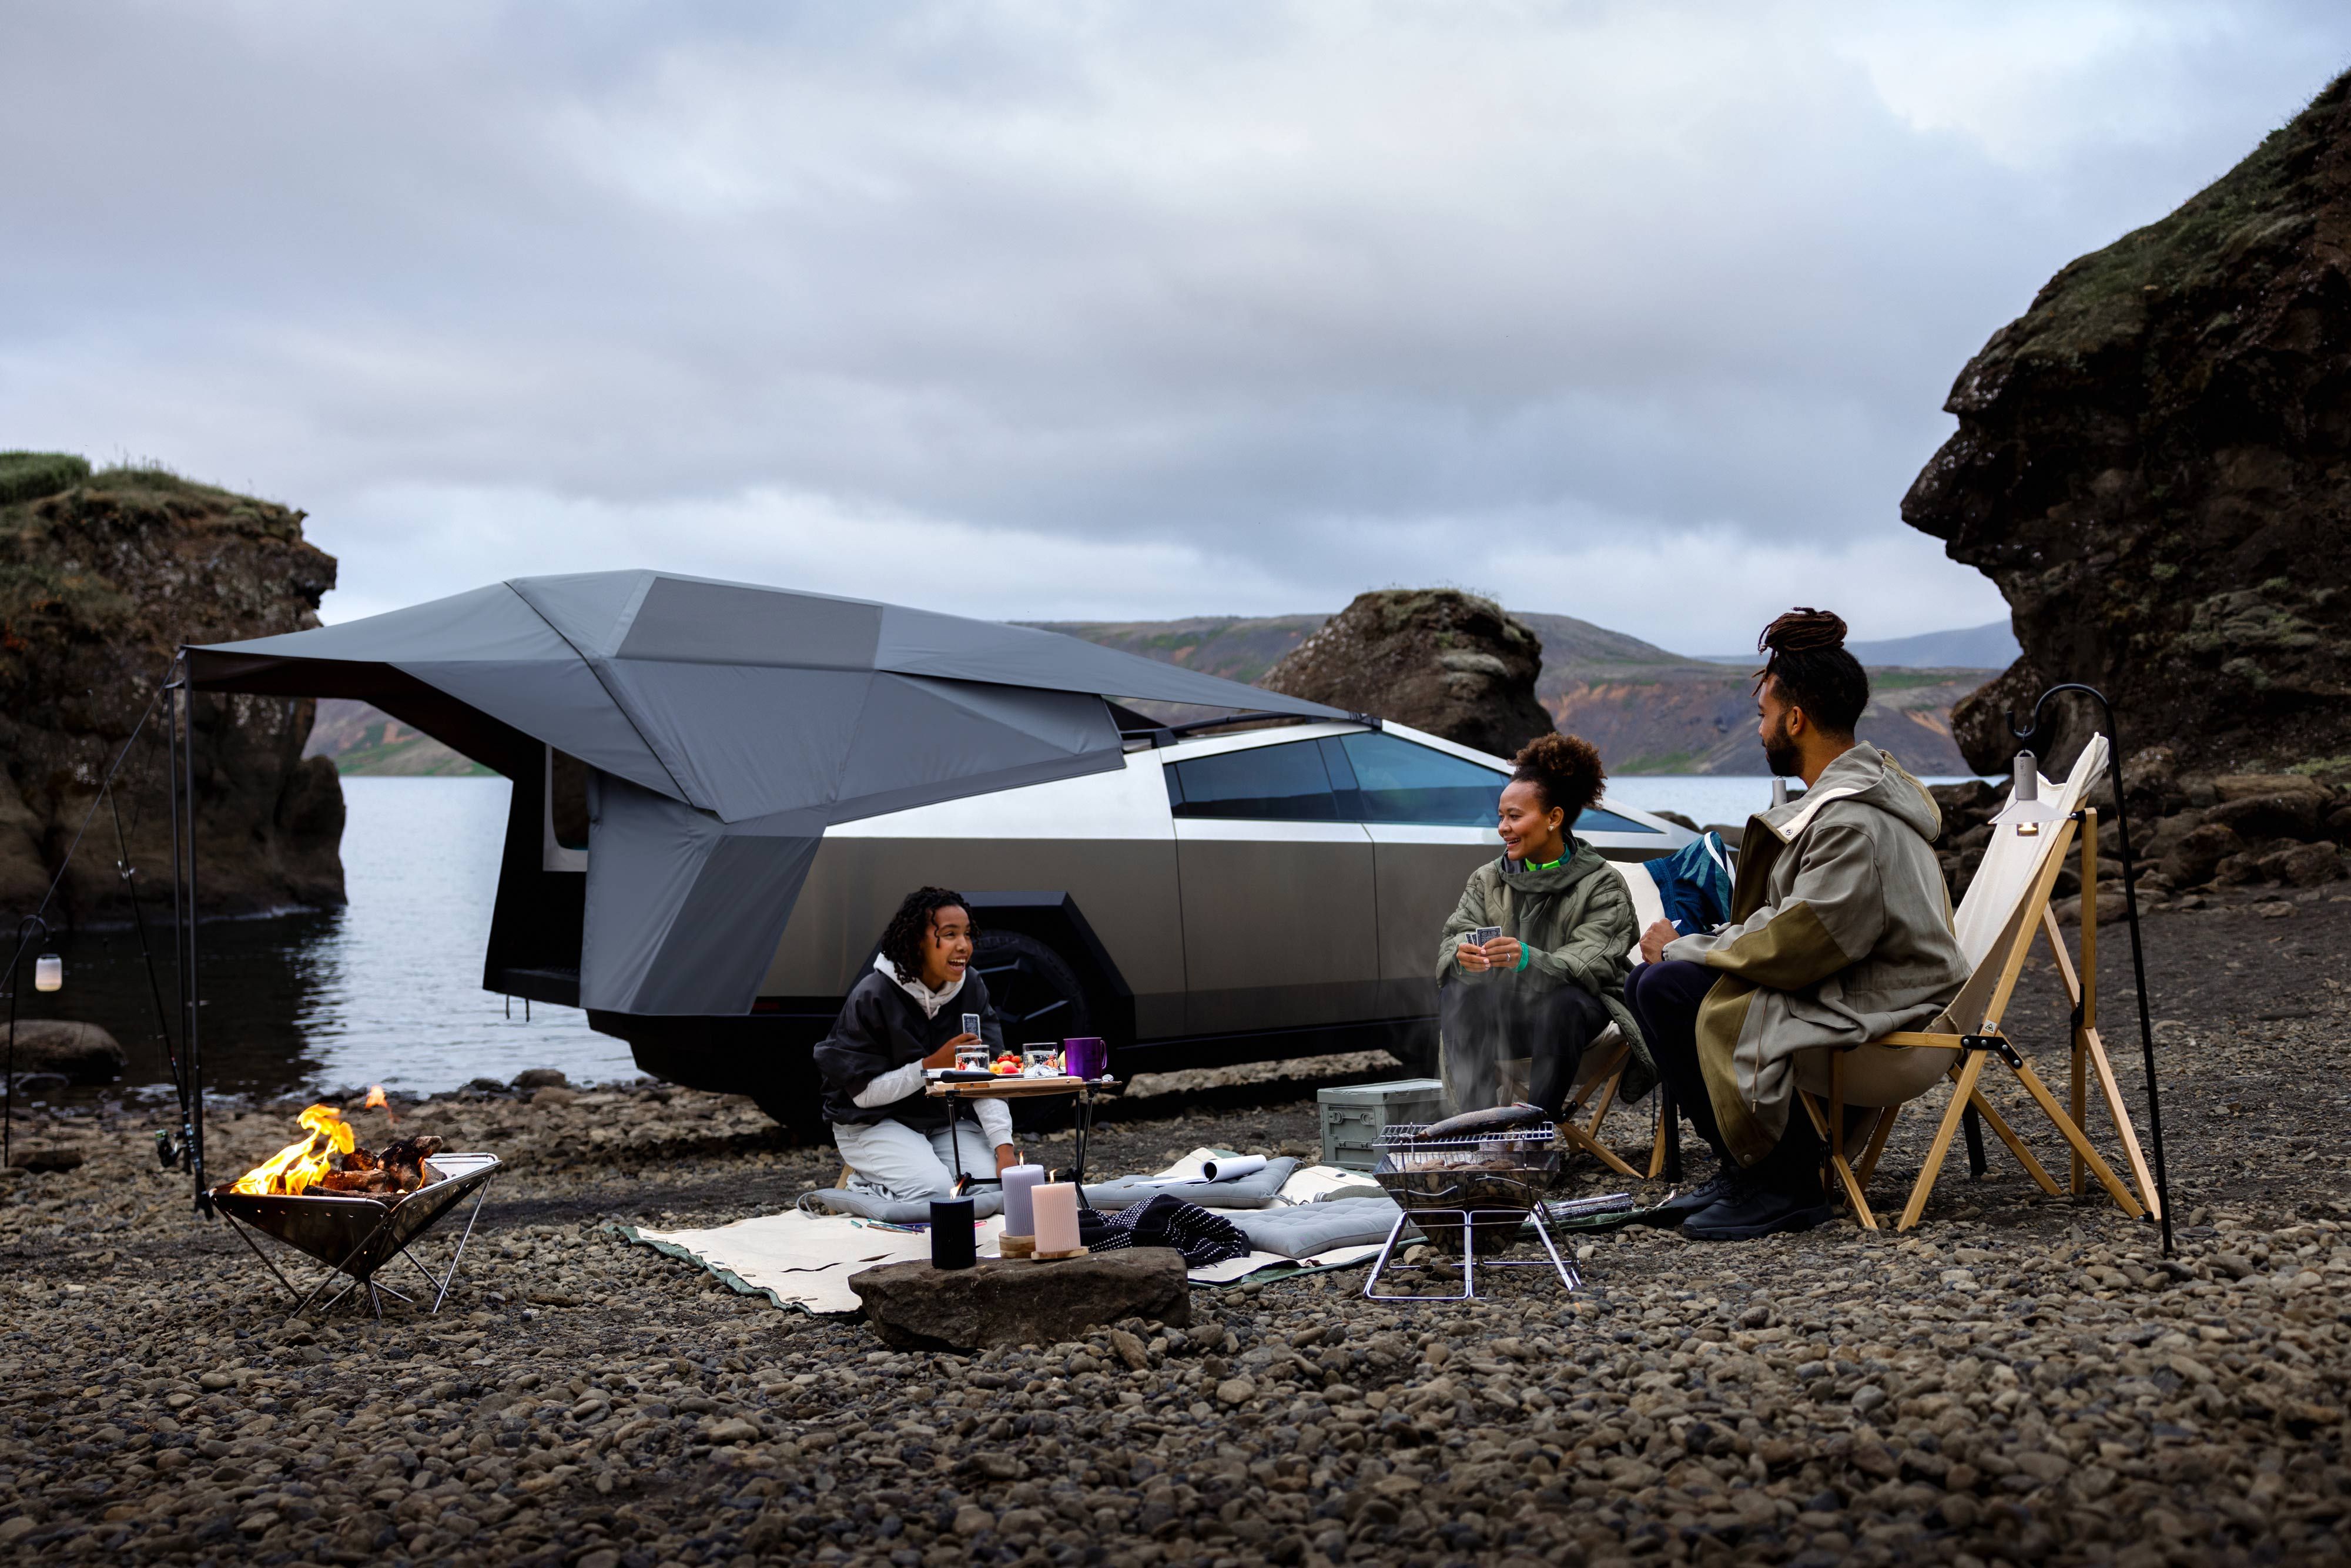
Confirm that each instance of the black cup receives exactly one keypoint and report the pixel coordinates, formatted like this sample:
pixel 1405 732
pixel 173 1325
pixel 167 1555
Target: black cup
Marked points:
pixel 952 1244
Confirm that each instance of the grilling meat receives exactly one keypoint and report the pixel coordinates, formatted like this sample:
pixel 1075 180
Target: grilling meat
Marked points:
pixel 1477 1124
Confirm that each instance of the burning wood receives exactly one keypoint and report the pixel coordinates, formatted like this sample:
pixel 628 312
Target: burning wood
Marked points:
pixel 330 1159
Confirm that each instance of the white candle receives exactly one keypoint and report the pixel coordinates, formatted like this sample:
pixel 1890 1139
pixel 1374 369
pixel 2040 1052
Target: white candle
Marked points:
pixel 1020 1215
pixel 1055 1216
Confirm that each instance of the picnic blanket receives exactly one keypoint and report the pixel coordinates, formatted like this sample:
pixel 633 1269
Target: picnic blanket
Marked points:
pixel 801 1260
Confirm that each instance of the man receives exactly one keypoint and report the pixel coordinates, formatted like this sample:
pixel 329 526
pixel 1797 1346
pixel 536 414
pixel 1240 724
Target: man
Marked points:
pixel 1840 931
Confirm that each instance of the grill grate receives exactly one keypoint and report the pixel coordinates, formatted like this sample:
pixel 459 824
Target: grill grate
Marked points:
pixel 1470 1195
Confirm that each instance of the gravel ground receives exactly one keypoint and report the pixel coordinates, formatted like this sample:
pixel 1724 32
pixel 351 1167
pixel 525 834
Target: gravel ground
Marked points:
pixel 2020 1379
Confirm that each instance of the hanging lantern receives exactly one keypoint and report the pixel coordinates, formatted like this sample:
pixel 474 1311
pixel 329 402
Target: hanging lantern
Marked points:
pixel 49 973
pixel 2025 807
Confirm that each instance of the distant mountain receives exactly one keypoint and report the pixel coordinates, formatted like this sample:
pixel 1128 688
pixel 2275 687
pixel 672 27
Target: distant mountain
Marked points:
pixel 362 740
pixel 1230 646
pixel 1992 646
pixel 1649 710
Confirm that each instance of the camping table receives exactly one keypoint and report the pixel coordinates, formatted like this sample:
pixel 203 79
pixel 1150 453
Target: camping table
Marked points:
pixel 1084 1090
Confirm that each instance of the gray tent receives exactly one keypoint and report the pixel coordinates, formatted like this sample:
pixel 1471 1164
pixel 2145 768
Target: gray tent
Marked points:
pixel 724 727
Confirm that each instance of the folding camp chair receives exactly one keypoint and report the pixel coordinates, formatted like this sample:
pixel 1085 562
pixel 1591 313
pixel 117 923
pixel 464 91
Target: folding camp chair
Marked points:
pixel 2006 909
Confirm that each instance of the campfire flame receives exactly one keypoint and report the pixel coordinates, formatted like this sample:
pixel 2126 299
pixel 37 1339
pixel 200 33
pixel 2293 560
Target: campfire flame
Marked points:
pixel 298 1167
pixel 375 1100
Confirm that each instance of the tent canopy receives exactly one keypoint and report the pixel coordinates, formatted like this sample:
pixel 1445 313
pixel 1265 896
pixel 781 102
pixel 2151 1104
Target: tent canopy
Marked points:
pixel 727 726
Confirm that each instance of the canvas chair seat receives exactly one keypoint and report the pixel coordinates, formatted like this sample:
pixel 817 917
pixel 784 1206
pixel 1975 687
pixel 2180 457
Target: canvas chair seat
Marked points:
pixel 2005 909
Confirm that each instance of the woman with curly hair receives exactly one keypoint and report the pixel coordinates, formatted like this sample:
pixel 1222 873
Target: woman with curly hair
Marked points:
pixel 903 1016
pixel 1551 982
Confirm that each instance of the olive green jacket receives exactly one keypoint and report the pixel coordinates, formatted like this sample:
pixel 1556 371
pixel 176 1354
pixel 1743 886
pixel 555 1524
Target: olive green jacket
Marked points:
pixel 1840 931
pixel 1577 922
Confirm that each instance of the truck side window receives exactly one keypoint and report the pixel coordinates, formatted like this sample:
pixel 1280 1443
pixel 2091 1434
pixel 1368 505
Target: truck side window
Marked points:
pixel 1285 783
pixel 1398 780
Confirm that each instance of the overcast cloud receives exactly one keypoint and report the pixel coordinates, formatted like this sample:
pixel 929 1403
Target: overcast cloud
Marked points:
pixel 1639 312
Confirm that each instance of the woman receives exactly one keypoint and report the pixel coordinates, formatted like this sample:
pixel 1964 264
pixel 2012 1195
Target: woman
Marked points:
pixel 1549 983
pixel 903 1016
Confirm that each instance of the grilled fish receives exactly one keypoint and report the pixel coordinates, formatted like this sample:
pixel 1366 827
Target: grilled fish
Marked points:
pixel 1476 1123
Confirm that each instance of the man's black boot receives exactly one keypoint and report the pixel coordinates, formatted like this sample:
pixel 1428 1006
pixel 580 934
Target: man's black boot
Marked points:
pixel 1757 1211
pixel 1730 1182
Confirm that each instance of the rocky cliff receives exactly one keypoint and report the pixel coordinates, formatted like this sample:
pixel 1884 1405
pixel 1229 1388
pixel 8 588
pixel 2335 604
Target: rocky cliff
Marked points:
pixel 1437 659
pixel 2154 462
pixel 103 577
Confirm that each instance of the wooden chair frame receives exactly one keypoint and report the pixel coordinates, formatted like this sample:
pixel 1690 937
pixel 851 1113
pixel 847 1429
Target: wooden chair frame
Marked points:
pixel 1979 1048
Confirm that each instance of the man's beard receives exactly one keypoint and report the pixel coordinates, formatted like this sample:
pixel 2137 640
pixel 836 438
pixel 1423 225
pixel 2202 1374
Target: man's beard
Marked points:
pixel 1779 754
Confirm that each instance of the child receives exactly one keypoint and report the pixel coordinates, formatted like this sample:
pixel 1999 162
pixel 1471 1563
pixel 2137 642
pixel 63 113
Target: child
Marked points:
pixel 903 1016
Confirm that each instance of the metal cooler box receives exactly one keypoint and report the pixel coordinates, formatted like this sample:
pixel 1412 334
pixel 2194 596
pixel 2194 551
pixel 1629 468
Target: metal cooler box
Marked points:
pixel 1353 1117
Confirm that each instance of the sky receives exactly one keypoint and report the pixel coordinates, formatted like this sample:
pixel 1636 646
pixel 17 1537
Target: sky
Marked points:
pixel 1639 312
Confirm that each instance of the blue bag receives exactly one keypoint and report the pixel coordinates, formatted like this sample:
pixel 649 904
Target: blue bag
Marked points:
pixel 1694 884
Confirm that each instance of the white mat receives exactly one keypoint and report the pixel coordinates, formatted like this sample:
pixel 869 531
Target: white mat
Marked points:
pixel 804 1261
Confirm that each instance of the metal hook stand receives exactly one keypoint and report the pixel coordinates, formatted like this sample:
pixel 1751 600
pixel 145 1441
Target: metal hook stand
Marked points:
pixel 2025 732
pixel 28 928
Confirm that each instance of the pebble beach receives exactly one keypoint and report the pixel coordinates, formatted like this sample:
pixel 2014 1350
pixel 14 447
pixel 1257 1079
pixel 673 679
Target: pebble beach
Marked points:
pixel 2020 1379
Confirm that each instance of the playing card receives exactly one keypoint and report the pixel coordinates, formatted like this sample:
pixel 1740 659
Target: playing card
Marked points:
pixel 971 1023
pixel 1483 934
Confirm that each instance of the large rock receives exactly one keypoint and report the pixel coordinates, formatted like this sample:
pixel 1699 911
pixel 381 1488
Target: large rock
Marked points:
pixel 2151 463
pixel 79 1052
pixel 995 1302
pixel 103 578
pixel 1436 659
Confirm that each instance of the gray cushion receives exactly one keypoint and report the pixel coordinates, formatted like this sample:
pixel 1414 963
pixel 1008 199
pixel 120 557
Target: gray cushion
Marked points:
pixel 1303 1229
pixel 1257 1190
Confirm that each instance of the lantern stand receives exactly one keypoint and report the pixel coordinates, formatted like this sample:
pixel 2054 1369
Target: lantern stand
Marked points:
pixel 48 975
pixel 2130 905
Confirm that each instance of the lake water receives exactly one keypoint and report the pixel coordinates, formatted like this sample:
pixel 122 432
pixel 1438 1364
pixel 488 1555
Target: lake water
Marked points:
pixel 388 990
pixel 385 991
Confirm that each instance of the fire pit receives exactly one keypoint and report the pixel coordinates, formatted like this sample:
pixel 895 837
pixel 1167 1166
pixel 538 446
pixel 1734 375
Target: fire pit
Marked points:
pixel 354 1211
pixel 1470 1194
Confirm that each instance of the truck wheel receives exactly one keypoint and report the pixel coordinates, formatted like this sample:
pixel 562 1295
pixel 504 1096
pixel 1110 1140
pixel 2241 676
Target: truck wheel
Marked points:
pixel 1039 999
pixel 1035 991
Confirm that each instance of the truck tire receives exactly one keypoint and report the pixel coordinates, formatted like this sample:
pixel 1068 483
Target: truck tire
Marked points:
pixel 1037 994
pixel 1038 999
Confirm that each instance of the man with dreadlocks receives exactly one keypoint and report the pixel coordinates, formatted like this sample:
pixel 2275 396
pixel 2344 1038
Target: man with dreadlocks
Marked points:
pixel 902 1018
pixel 1840 931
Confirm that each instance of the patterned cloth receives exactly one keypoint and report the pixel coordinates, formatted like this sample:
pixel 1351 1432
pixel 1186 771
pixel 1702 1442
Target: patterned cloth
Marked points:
pixel 1201 1237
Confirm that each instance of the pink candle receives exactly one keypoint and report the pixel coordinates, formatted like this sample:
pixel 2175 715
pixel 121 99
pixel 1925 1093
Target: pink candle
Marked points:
pixel 1055 1208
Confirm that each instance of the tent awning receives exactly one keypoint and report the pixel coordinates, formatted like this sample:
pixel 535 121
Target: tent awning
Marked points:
pixel 734 723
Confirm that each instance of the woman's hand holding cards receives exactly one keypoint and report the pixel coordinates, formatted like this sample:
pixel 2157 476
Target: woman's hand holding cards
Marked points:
pixel 946 1055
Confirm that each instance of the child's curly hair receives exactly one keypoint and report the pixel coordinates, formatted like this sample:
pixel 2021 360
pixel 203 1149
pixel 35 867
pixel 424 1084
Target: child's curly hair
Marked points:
pixel 901 940
pixel 1564 768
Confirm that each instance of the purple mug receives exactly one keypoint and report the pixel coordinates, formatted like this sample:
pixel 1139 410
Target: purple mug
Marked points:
pixel 1085 1056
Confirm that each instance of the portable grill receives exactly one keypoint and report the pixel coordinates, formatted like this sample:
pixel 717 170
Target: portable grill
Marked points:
pixel 356 1234
pixel 1470 1194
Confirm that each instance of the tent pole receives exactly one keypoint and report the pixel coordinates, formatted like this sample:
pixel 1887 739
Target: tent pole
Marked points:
pixel 183 838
